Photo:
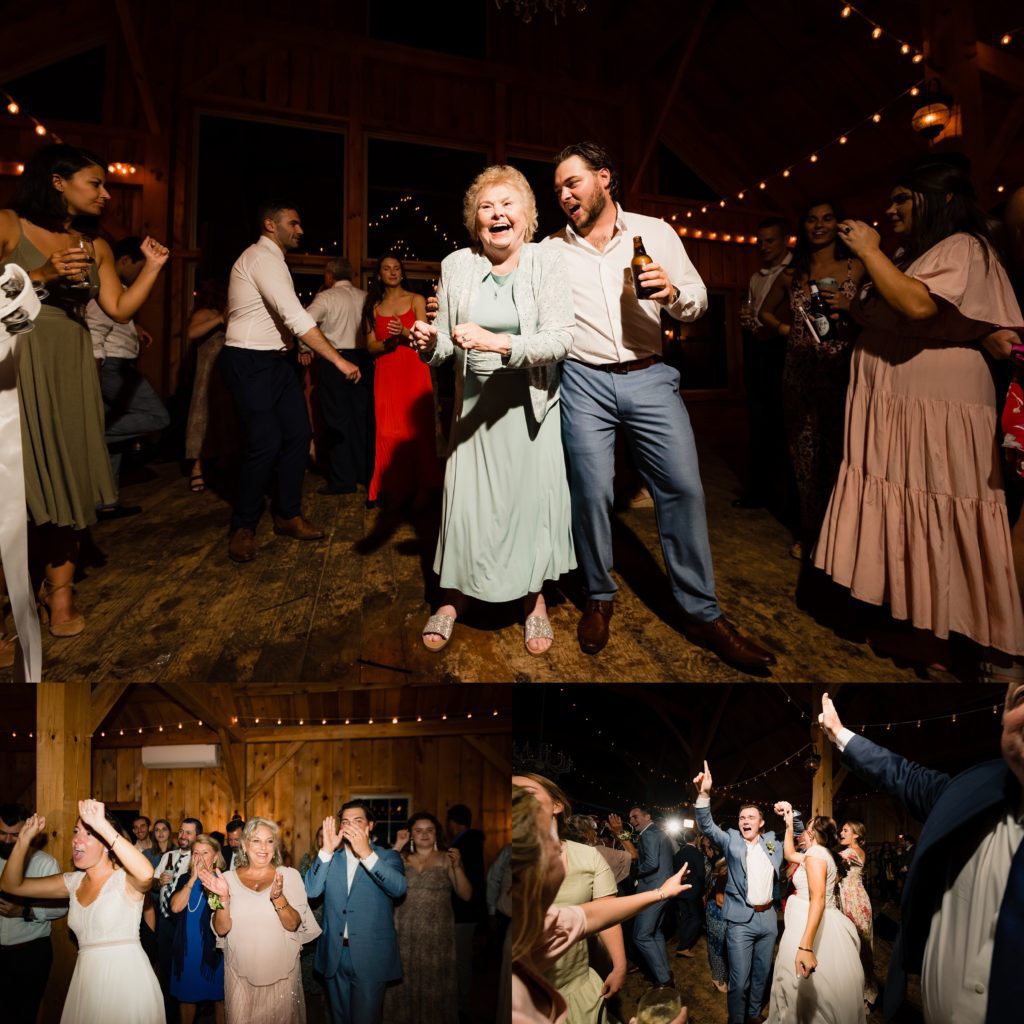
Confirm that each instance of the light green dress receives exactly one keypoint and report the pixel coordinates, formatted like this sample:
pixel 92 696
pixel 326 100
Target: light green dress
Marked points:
pixel 587 877
pixel 506 522
pixel 67 466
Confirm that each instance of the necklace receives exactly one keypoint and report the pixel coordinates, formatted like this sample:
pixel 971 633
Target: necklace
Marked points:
pixel 192 909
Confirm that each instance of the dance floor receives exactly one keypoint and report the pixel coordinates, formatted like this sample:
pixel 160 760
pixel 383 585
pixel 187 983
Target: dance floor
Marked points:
pixel 163 602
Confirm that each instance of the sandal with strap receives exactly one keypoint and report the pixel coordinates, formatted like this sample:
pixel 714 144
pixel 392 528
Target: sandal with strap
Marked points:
pixel 196 483
pixel 537 627
pixel 438 625
pixel 73 626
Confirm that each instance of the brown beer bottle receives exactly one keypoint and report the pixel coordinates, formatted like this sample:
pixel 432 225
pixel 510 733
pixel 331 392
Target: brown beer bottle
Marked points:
pixel 638 264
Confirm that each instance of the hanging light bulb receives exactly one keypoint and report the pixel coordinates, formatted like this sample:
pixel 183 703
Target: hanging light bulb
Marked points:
pixel 12 107
pixel 876 32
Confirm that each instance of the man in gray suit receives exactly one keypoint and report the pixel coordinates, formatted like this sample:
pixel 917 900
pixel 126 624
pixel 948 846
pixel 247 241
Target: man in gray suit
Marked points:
pixel 654 865
pixel 754 860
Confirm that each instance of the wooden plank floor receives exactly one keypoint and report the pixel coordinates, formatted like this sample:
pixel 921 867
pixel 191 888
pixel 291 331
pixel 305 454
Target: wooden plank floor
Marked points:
pixel 164 602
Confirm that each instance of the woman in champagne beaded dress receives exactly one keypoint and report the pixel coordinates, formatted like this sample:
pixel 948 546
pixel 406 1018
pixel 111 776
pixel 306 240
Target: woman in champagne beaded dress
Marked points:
pixel 113 982
pixel 425 925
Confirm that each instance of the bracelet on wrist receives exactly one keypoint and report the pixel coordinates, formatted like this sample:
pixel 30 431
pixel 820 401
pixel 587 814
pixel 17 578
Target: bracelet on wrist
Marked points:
pixel 805 949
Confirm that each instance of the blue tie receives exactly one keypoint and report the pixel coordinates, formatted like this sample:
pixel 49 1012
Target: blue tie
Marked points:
pixel 1006 982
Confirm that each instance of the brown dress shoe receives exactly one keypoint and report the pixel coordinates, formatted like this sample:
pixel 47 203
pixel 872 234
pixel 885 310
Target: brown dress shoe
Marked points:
pixel 242 545
pixel 297 527
pixel 592 631
pixel 731 646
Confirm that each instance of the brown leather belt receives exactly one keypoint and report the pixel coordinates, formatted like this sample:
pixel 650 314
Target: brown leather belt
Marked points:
pixel 763 906
pixel 635 364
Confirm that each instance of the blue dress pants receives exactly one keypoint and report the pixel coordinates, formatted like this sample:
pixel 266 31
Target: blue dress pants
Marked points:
pixel 650 943
pixel 647 405
pixel 750 948
pixel 351 999
pixel 270 403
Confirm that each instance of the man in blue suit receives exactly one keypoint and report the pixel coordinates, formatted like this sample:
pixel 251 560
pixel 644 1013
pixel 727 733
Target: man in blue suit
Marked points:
pixel 358 952
pixel 967 871
pixel 654 865
pixel 754 859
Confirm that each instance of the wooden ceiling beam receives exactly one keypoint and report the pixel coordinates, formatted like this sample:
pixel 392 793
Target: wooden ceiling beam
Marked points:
pixel 35 46
pixel 131 42
pixel 104 697
pixel 695 31
pixel 273 768
pixel 1002 65
pixel 194 700
pixel 500 761
pixel 377 731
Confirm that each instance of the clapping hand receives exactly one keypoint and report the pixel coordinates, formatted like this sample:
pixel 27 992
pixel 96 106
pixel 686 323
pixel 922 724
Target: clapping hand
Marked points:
pixel 332 837
pixel 702 780
pixel 277 887
pixel 424 336
pixel 829 719
pixel 214 882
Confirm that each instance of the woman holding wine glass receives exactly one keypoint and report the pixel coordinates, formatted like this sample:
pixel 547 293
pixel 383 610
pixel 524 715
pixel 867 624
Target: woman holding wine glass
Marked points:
pixel 67 467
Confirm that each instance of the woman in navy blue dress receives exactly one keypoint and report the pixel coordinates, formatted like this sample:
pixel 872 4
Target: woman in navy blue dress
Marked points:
pixel 197 965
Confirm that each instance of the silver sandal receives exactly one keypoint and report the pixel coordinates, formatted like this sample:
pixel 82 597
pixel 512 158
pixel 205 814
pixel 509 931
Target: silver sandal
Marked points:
pixel 537 627
pixel 439 625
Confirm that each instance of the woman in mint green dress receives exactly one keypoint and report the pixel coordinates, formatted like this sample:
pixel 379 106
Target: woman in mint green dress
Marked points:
pixel 505 316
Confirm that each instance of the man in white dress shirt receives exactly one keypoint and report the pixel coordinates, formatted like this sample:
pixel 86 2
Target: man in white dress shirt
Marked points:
pixel 263 315
pixel 962 908
pixel 26 953
pixel 615 377
pixel 347 408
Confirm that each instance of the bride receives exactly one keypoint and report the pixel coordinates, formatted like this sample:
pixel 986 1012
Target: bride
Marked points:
pixel 113 981
pixel 818 977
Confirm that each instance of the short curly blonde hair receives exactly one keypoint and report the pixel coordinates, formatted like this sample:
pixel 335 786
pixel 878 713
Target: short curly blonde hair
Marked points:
pixel 499 174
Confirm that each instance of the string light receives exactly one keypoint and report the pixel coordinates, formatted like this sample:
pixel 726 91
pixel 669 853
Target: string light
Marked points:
pixel 14 108
pixel 382 218
pixel 877 31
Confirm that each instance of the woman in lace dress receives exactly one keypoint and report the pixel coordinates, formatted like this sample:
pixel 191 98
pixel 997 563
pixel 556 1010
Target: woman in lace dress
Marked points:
pixel 425 925
pixel 818 978
pixel 261 925
pixel 856 904
pixel 113 982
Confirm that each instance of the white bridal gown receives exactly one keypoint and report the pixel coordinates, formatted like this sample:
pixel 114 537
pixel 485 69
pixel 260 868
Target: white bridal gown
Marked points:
pixel 834 993
pixel 113 981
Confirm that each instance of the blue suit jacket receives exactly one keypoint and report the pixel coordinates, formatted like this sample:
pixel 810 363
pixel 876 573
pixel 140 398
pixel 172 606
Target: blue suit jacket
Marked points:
pixel 734 847
pixel 368 910
pixel 655 862
pixel 955 811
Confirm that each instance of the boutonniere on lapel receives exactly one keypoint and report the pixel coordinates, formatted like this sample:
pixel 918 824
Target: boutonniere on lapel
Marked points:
pixel 770 846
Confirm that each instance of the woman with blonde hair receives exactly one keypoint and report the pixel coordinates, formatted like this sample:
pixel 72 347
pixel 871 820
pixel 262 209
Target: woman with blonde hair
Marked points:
pixel 541 932
pixel 505 316
pixel 856 903
pixel 262 920
pixel 197 965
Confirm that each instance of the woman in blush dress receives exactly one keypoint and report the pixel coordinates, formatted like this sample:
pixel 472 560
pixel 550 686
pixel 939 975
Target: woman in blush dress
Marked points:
pixel 406 467
pixel 425 924
pixel 113 982
pixel 262 921
pixel 197 965
pixel 818 978
pixel 856 903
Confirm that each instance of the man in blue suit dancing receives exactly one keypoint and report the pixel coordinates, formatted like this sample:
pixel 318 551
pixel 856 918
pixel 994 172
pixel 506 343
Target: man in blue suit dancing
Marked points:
pixel 966 873
pixel 654 864
pixel 753 858
pixel 358 952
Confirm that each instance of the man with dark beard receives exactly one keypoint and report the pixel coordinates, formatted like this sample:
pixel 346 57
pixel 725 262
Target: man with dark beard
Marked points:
pixel 26 953
pixel 615 376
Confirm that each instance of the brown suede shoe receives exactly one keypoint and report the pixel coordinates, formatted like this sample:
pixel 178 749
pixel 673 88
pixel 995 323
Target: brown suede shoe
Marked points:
pixel 242 545
pixel 722 637
pixel 296 527
pixel 592 631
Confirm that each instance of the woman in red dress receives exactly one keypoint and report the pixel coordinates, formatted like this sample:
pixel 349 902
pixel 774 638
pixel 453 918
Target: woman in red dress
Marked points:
pixel 406 465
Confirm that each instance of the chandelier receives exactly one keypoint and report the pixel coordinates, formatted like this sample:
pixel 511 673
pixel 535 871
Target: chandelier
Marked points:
pixel 541 760
pixel 526 9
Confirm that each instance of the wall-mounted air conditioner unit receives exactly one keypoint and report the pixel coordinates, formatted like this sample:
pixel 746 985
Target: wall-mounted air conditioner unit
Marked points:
pixel 189 755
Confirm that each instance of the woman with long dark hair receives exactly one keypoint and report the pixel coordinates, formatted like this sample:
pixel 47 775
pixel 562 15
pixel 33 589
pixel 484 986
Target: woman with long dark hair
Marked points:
pixel 67 466
pixel 818 978
pixel 406 466
pixel 425 925
pixel 918 518
pixel 816 371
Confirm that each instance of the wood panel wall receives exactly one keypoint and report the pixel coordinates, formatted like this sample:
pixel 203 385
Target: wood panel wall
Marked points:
pixel 437 772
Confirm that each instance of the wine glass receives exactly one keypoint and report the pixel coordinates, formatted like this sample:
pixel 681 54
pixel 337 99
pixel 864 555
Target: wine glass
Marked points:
pixel 85 243
pixel 659 1006
pixel 746 313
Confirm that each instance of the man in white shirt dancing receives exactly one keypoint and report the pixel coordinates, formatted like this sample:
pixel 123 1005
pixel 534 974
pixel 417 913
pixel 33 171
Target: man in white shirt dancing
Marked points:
pixel 263 314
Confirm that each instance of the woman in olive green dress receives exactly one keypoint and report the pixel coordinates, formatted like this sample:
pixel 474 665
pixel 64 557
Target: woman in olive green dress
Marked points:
pixel 67 468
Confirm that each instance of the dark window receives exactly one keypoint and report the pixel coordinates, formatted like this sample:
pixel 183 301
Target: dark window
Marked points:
pixel 675 178
pixel 414 199
pixel 45 94
pixel 242 163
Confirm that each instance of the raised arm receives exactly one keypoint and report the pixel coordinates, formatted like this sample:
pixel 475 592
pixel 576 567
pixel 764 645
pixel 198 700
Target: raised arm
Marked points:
pixel 603 913
pixel 118 302
pixel 13 880
pixel 457 876
pixel 615 824
pixel 703 807
pixel 136 866
pixel 792 854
